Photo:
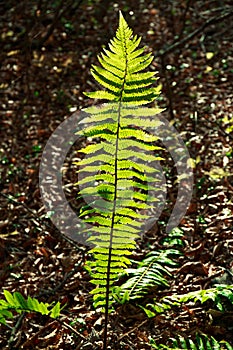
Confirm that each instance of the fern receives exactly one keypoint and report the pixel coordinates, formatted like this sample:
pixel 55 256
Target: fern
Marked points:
pixel 217 295
pixel 123 184
pixel 174 238
pixel 152 271
pixel 202 343
pixel 16 302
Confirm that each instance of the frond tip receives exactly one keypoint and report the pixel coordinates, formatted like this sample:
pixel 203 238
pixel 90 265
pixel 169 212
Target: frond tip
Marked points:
pixel 120 74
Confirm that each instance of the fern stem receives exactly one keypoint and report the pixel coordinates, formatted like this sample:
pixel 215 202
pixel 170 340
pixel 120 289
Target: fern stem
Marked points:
pixel 114 204
pixel 111 238
pixel 107 300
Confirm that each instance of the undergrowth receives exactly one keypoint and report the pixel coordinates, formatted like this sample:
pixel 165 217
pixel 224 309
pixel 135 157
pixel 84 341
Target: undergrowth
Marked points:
pixel 114 174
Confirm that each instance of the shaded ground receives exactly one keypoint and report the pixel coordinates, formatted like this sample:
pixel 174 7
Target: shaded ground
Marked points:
pixel 41 85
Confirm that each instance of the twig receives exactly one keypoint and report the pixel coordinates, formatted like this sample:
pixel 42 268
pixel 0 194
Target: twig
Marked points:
pixel 208 22
pixel 56 18
pixel 14 201
pixel 184 18
pixel 63 323
pixel 14 330
pixel 132 330
pixel 58 14
pixel 60 285
pixel 169 90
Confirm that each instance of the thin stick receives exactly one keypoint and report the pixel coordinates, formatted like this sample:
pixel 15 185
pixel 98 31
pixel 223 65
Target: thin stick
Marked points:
pixel 132 330
pixel 207 23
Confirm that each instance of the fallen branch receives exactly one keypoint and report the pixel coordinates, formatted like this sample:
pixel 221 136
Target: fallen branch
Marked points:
pixel 132 330
pixel 177 44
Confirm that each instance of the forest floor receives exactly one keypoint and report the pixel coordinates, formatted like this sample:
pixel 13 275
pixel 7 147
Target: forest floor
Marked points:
pixel 42 82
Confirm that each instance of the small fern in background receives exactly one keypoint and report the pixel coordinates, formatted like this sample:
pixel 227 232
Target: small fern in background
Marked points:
pixel 202 343
pixel 150 272
pixel 174 239
pixel 16 302
pixel 153 270
pixel 217 295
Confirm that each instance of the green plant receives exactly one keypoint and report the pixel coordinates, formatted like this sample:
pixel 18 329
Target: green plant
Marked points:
pixel 119 189
pixel 16 302
pixel 202 343
pixel 151 271
pixel 217 295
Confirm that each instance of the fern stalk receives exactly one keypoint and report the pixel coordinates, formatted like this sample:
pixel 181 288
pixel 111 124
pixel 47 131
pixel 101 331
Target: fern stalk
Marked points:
pixel 111 237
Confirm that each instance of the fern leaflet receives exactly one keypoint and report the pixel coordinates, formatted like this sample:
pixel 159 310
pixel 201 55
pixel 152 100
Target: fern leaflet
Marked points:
pixel 16 302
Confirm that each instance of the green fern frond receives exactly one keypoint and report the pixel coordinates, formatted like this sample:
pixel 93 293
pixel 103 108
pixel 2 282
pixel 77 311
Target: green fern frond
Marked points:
pixel 151 272
pixel 174 238
pixel 202 342
pixel 16 302
pixel 117 173
pixel 215 294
